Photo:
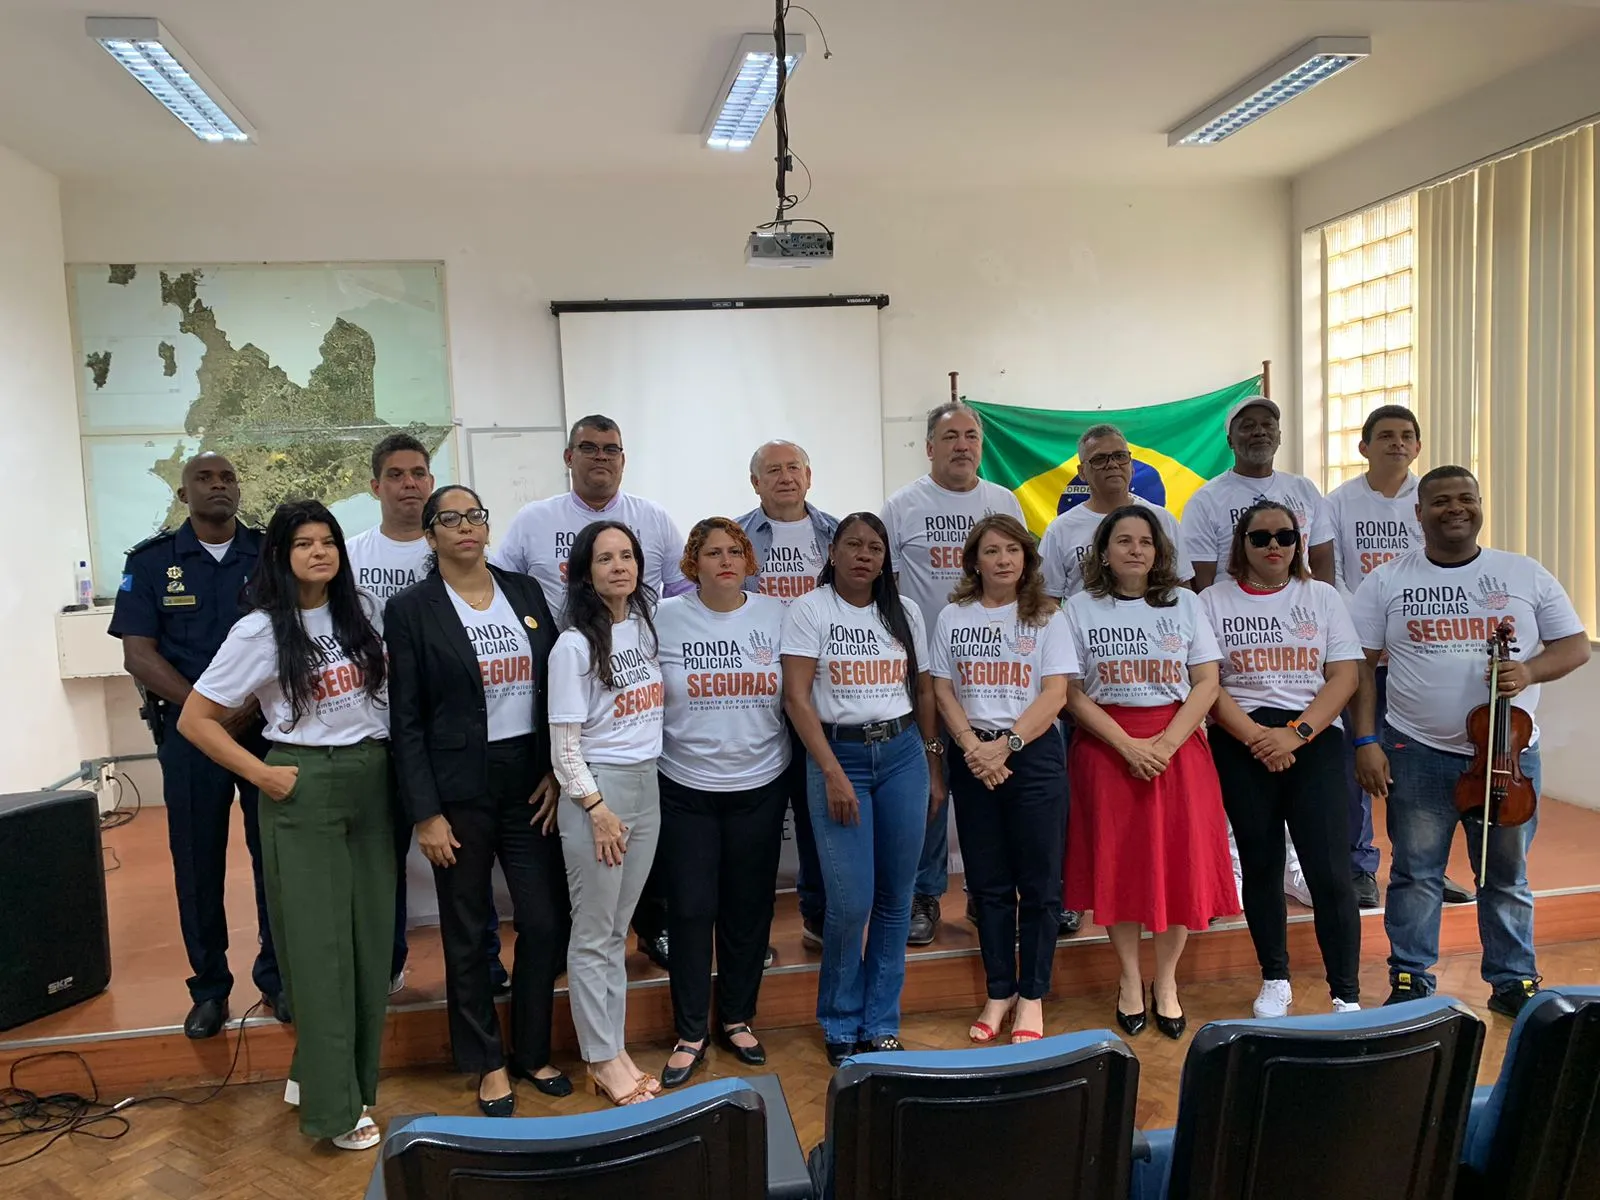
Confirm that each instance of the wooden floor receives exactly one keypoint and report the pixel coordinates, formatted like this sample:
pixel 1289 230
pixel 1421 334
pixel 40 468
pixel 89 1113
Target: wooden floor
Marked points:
pixel 148 963
pixel 243 1145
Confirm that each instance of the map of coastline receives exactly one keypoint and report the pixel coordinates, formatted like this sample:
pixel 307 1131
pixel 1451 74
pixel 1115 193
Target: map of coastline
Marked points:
pixel 288 439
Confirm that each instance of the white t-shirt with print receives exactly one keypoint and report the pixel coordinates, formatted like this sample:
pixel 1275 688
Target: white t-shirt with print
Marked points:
pixel 1070 535
pixel 792 565
pixel 995 664
pixel 1276 646
pixel 1134 654
pixel 724 729
pixel 384 566
pixel 505 663
pixel 539 541
pixel 1435 622
pixel 861 669
pixel 928 527
pixel 1212 513
pixel 341 714
pixel 1369 528
pixel 622 723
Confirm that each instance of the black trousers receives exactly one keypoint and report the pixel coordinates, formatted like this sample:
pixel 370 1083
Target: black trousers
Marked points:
pixel 721 851
pixel 199 799
pixel 1012 841
pixel 499 825
pixel 1310 797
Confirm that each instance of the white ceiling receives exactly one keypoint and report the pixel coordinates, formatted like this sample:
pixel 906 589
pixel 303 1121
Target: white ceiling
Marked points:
pixel 968 92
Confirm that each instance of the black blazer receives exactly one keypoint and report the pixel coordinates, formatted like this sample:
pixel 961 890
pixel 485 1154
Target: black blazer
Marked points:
pixel 438 720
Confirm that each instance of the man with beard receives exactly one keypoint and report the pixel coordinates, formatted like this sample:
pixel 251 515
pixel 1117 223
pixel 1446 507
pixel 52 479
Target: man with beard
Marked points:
pixel 1253 435
pixel 928 521
pixel 1433 610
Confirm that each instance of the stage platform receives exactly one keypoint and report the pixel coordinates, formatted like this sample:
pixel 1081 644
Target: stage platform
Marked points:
pixel 131 1035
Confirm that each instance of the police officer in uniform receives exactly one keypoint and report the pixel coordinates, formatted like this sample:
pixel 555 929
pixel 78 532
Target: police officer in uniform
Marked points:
pixel 181 592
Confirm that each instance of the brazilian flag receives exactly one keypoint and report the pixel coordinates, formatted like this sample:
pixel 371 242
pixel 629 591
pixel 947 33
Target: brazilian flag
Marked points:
pixel 1176 448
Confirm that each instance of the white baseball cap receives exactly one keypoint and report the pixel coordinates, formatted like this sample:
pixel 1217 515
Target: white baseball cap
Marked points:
pixel 1257 401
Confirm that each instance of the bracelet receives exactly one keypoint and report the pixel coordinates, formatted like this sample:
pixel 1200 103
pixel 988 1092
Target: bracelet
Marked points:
pixel 595 805
pixel 1370 740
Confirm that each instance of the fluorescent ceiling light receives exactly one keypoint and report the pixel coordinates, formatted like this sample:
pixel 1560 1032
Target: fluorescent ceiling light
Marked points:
pixel 749 90
pixel 152 56
pixel 1292 75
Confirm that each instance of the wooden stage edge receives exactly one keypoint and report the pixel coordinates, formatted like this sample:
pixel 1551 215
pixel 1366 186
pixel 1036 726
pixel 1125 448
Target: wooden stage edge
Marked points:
pixel 139 1061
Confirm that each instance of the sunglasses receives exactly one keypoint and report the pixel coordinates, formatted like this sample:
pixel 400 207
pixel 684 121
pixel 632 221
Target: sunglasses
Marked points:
pixel 1262 538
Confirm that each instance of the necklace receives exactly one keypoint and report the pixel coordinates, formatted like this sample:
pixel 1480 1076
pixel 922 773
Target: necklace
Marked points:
pixel 480 602
pixel 1268 587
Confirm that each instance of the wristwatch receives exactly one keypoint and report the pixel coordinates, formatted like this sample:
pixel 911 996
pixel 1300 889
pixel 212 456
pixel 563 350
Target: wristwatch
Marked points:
pixel 1014 740
pixel 1303 730
pixel 933 745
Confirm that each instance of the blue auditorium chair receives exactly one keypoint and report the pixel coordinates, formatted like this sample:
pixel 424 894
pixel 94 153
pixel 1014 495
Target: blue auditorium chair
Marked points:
pixel 1051 1118
pixel 731 1139
pixel 1535 1135
pixel 1370 1104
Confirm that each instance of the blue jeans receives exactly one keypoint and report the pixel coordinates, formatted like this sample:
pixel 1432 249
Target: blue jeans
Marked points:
pixel 867 870
pixel 1422 822
pixel 933 865
pixel 1363 851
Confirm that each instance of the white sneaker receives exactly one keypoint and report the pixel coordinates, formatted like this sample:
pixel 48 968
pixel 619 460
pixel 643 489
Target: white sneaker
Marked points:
pixel 1342 1006
pixel 398 982
pixel 1274 999
pixel 1294 884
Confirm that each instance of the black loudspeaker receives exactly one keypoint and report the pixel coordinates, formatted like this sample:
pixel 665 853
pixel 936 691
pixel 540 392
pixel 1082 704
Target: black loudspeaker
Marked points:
pixel 55 949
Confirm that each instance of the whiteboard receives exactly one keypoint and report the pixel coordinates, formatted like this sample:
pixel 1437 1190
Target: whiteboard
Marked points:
pixel 696 391
pixel 512 467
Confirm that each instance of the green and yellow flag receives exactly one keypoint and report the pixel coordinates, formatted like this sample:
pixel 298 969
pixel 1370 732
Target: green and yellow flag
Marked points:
pixel 1176 448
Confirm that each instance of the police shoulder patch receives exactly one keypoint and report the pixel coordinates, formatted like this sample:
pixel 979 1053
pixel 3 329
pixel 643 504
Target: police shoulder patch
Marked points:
pixel 127 582
pixel 165 535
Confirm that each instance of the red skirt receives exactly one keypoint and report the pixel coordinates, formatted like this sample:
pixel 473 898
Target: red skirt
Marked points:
pixel 1155 851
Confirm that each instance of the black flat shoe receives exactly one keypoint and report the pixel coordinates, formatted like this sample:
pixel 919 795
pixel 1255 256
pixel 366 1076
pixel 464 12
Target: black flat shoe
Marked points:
pixel 1173 1027
pixel 279 1005
pixel 558 1086
pixel 838 1051
pixel 658 950
pixel 750 1056
pixel 500 1106
pixel 672 1076
pixel 205 1020
pixel 885 1044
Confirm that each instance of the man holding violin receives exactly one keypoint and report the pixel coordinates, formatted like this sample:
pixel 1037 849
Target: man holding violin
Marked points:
pixel 1434 611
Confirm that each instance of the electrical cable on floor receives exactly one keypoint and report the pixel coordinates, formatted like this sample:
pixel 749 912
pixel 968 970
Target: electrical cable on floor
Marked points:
pixel 58 1114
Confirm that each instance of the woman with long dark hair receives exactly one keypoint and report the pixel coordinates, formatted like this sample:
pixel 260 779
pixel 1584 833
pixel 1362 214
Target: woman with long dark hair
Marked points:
pixel 1147 843
pixel 1002 653
pixel 724 752
pixel 856 687
pixel 1289 655
pixel 606 700
pixel 311 653
pixel 469 647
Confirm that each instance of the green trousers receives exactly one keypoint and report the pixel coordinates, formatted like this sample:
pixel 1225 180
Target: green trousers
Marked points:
pixel 328 856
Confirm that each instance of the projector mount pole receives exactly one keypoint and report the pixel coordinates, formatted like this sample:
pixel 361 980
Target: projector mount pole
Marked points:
pixel 954 397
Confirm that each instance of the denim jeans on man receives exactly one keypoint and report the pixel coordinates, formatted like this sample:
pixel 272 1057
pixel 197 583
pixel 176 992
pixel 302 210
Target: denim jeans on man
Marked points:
pixel 867 871
pixel 1422 820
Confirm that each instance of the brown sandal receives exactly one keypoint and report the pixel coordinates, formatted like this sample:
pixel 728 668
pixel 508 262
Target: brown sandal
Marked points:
pixel 638 1096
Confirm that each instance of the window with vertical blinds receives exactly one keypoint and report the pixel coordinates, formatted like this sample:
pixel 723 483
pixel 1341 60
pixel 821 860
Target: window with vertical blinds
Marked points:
pixel 1369 317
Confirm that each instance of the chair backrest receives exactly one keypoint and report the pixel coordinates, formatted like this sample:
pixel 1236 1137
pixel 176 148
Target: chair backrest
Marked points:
pixel 1371 1104
pixel 1539 1136
pixel 973 1124
pixel 705 1143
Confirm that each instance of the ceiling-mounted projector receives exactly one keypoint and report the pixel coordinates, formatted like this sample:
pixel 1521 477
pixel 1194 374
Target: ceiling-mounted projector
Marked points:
pixel 789 248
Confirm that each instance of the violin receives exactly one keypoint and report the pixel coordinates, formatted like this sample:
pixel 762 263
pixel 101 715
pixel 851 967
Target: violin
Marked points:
pixel 1493 786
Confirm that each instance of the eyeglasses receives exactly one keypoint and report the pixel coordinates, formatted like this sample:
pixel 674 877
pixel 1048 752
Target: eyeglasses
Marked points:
pixel 450 518
pixel 1262 538
pixel 594 450
pixel 1112 458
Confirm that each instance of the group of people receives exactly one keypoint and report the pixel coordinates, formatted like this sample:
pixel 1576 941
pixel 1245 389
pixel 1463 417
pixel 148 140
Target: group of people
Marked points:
pixel 620 717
